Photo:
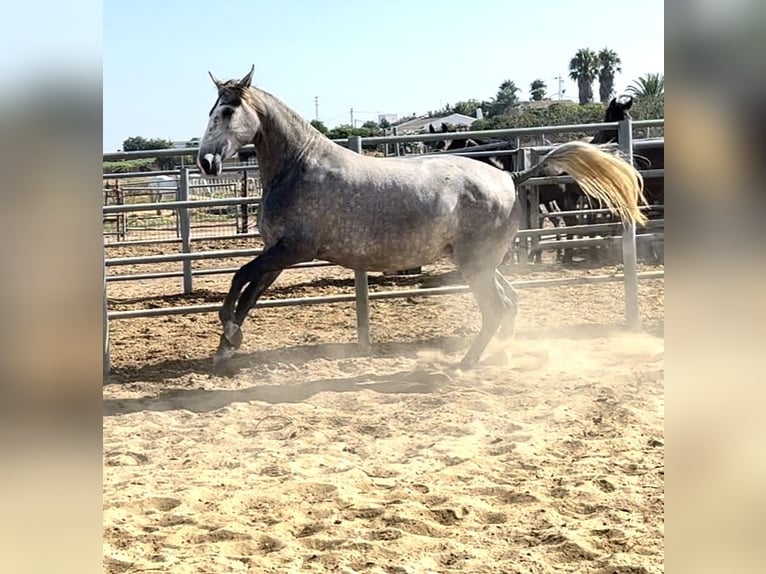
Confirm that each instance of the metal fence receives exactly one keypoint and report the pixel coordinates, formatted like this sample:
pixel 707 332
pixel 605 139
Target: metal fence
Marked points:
pixel 184 205
pixel 156 223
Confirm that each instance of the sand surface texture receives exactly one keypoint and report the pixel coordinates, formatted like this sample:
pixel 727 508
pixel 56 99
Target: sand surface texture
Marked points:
pixel 316 457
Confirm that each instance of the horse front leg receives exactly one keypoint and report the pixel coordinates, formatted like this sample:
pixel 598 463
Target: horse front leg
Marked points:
pixel 257 275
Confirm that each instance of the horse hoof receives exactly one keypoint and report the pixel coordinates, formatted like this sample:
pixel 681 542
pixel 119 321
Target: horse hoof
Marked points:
pixel 222 364
pixel 233 334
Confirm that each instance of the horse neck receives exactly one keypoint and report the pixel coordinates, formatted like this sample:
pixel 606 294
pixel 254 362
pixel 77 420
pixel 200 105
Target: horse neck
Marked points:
pixel 283 139
pixel 605 136
pixel 610 135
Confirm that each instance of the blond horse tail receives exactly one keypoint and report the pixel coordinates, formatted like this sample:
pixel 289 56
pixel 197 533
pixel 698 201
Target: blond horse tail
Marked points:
pixel 600 174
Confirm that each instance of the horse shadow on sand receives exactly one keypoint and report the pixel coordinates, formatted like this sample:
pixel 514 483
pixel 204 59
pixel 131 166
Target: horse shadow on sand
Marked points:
pixel 202 401
pixel 426 378
pixel 422 380
pixel 296 356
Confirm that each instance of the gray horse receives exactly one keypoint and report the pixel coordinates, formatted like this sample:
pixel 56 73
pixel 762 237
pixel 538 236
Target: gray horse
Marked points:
pixel 323 201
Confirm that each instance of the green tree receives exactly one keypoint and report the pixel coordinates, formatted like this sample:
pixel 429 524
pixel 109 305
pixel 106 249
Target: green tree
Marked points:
pixel 138 143
pixel 468 107
pixel 537 90
pixel 556 114
pixel 608 66
pixel 650 86
pixel 345 130
pixel 649 92
pixel 583 69
pixel 506 99
pixel 319 126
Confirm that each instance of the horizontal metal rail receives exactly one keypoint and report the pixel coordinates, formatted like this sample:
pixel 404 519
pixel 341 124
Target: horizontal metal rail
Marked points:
pixel 192 171
pixel 544 244
pixel 646 174
pixel 380 295
pixel 203 272
pixel 581 229
pixel 196 203
pixel 175 257
pixel 146 154
pixel 538 130
pixel 550 244
pixel 222 254
pixel 552 214
pixel 504 147
pixel 238 201
pixel 637 144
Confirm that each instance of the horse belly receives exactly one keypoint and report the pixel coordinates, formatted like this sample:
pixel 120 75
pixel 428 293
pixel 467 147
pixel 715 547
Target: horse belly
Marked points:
pixel 380 248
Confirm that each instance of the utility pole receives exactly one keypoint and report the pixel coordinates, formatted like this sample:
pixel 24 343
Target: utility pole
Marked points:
pixel 352 117
pixel 316 108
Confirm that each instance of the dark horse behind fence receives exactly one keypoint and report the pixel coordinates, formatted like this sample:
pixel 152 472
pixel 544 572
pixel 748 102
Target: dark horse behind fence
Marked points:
pixel 323 201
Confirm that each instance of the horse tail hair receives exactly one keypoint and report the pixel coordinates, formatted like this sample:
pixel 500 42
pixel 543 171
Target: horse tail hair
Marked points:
pixel 600 174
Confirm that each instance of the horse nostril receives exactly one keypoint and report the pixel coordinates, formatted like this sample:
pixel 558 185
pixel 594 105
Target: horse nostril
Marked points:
pixel 207 163
pixel 210 162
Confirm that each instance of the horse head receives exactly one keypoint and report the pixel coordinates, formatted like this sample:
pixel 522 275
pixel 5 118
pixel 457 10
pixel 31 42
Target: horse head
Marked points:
pixel 618 107
pixel 233 122
pixel 616 111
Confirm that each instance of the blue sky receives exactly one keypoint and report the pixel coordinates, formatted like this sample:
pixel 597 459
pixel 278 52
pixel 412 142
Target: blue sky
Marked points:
pixel 393 56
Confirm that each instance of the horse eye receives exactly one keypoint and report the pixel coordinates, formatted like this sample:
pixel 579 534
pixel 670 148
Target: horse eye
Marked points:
pixel 226 113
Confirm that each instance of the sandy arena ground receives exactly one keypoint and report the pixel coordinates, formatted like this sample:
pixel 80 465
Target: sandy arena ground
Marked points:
pixel 318 458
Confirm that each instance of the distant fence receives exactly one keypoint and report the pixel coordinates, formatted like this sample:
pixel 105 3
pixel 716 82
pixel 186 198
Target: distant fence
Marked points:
pixel 184 205
pixel 154 222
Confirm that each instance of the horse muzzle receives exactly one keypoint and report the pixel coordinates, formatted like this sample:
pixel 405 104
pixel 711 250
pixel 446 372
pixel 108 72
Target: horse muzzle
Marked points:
pixel 210 163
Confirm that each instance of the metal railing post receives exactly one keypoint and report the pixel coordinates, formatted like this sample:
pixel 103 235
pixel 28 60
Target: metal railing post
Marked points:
pixel 361 288
pixel 107 366
pixel 629 259
pixel 522 196
pixel 534 209
pixel 185 228
pixel 243 209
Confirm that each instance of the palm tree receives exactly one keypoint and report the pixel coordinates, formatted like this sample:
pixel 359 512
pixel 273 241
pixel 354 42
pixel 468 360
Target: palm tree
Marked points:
pixel 506 98
pixel 650 86
pixel 583 69
pixel 608 65
pixel 537 90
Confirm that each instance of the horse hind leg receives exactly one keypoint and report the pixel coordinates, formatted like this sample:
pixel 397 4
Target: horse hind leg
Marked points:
pixel 494 307
pixel 510 301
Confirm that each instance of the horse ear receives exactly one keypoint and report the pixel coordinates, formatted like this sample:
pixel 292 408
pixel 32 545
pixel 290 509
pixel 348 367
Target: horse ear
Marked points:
pixel 431 128
pixel 445 127
pixel 625 101
pixel 216 81
pixel 248 79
